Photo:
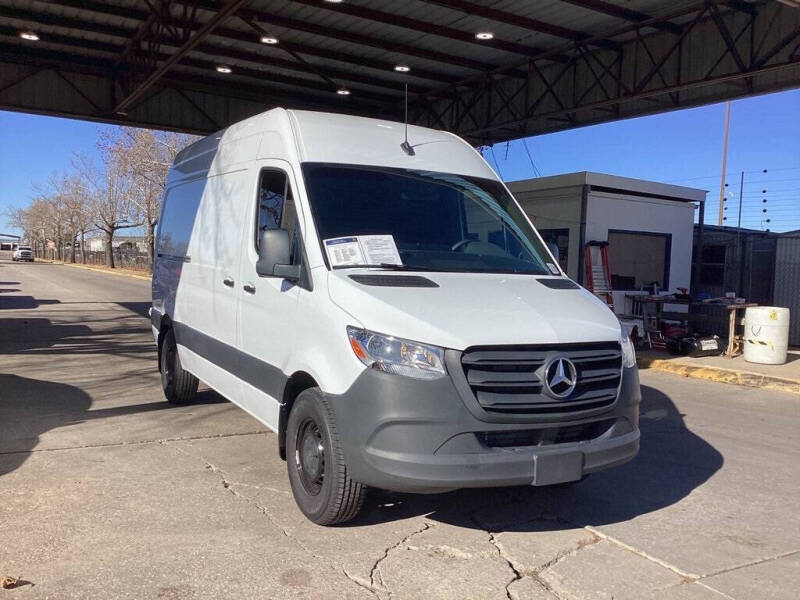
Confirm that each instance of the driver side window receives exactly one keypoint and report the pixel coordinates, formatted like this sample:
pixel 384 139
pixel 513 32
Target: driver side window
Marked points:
pixel 276 208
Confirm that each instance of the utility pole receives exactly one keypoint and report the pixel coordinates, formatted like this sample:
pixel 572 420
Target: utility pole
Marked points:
pixel 724 162
pixel 739 253
pixel 739 224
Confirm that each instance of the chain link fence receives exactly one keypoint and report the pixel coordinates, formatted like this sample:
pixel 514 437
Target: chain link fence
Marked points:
pixel 123 258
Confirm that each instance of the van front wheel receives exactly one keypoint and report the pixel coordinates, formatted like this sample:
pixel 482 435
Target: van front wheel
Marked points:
pixel 318 474
pixel 179 385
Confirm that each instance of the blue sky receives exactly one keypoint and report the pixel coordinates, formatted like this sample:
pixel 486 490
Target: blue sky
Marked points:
pixel 683 147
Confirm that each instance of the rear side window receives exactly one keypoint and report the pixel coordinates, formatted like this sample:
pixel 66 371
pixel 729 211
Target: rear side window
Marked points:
pixel 177 218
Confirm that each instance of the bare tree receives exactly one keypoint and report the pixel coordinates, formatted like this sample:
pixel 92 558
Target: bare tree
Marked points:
pixel 77 214
pixel 36 222
pixel 146 156
pixel 123 190
pixel 110 198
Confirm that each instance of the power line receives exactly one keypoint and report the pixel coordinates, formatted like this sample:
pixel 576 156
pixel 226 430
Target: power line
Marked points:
pixel 536 171
pixel 496 164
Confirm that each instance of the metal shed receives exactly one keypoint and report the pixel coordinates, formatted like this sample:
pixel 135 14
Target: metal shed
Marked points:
pixel 647 224
pixel 787 282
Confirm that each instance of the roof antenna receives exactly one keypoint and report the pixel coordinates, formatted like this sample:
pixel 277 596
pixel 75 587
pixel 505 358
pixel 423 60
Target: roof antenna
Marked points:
pixel 407 148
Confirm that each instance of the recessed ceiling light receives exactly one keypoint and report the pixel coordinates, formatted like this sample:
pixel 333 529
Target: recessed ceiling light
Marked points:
pixel 224 69
pixel 402 68
pixel 334 1
pixel 29 35
pixel 266 39
pixel 484 35
pixel 343 91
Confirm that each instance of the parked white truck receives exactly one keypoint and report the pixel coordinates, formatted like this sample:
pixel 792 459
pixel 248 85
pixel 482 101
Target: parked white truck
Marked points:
pixel 387 308
pixel 22 253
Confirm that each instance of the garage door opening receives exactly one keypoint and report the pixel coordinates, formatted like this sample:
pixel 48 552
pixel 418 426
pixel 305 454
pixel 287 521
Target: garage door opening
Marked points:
pixel 639 260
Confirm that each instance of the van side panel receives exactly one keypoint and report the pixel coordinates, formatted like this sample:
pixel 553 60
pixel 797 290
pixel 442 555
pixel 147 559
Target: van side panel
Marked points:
pixel 175 226
pixel 207 293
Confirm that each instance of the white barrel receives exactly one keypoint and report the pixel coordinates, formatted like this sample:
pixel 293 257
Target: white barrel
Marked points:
pixel 766 334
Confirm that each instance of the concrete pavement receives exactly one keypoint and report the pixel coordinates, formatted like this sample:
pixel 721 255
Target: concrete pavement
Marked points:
pixel 106 492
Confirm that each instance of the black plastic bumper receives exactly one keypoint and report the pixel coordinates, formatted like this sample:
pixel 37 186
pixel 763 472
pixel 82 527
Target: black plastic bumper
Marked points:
pixel 413 435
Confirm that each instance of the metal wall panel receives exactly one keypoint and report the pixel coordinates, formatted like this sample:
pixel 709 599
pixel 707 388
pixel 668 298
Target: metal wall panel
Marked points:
pixel 787 283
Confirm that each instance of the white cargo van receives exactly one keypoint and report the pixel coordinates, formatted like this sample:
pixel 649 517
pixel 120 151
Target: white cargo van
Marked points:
pixel 387 308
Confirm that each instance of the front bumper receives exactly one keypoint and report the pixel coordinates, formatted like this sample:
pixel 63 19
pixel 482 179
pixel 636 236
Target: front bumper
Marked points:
pixel 410 435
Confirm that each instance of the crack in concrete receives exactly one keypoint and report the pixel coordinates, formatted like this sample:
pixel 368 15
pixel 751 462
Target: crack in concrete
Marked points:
pixel 361 583
pixel 750 564
pixel 517 573
pixel 510 563
pixel 138 442
pixel 375 572
pixel 569 552
pixel 716 591
pixel 262 487
pixel 228 485
pixel 681 573
pixel 537 574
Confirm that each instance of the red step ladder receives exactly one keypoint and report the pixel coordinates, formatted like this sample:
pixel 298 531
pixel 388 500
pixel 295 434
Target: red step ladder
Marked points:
pixel 598 275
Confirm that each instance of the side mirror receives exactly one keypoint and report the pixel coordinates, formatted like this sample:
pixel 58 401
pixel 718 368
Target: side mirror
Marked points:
pixel 275 255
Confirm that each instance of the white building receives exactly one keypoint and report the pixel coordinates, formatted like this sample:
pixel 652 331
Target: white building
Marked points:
pixel 648 226
pixel 128 242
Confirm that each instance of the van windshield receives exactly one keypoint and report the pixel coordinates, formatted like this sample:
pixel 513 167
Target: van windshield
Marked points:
pixel 439 221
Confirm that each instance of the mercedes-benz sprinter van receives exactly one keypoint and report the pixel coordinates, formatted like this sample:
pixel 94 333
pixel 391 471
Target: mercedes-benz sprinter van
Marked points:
pixel 387 308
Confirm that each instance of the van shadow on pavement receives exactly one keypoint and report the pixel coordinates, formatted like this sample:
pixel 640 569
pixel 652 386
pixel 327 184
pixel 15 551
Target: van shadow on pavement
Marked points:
pixel 39 335
pixel 32 407
pixel 671 463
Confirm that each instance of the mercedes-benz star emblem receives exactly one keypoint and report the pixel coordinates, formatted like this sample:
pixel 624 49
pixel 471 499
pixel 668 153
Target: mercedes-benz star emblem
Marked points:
pixel 560 377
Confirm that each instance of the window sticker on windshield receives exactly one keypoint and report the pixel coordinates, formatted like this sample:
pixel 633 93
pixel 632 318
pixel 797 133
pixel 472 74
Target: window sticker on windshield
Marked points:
pixel 362 250
pixel 380 250
pixel 344 251
pixel 553 269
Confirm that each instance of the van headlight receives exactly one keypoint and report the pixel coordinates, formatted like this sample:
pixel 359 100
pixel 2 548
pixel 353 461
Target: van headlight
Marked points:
pixel 396 355
pixel 628 353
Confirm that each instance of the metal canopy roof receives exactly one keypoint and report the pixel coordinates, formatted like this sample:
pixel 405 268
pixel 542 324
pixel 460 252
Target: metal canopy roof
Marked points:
pixel 550 64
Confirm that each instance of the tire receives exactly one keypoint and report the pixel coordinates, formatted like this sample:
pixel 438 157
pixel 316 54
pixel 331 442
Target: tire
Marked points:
pixel 179 385
pixel 318 474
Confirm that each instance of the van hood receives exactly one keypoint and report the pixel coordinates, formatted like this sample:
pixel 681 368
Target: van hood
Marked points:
pixel 473 309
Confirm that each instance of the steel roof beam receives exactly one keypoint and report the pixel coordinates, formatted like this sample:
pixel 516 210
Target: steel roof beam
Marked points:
pixel 76 63
pixel 362 39
pixel 626 14
pixel 212 49
pixel 470 8
pixel 101 8
pixel 621 30
pixel 371 14
pixel 132 45
pixel 41 18
pixel 113 31
pixel 224 12
pixel 264 18
pixel 220 51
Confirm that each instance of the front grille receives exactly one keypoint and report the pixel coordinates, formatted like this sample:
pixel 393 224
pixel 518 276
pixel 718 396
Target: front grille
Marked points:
pixel 510 379
pixel 544 436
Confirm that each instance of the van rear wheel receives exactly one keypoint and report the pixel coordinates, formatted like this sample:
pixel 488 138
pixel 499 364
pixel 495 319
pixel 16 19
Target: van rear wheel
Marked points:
pixel 318 475
pixel 179 385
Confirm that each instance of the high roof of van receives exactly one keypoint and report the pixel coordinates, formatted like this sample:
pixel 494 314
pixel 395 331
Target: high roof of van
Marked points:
pixel 307 136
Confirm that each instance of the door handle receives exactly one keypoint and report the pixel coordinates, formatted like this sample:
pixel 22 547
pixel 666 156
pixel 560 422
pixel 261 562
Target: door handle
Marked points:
pixel 249 288
pixel 228 281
